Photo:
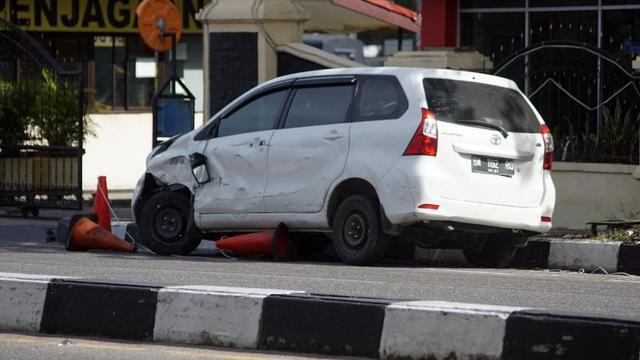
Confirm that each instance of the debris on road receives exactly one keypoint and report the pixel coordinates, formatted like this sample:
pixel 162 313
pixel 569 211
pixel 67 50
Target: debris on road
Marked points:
pixel 85 234
pixel 630 235
pixel 266 243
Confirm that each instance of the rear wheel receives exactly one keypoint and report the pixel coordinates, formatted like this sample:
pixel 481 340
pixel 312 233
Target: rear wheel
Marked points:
pixel 166 223
pixel 357 234
pixel 496 251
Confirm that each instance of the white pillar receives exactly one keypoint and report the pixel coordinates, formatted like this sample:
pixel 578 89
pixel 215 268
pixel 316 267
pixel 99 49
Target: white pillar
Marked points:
pixel 275 22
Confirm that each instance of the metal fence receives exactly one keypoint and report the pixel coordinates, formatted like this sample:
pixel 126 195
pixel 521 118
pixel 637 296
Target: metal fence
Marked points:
pixel 42 126
pixel 590 101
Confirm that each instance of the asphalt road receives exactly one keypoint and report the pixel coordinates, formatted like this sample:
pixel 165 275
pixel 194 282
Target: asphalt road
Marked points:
pixel 24 347
pixel 23 250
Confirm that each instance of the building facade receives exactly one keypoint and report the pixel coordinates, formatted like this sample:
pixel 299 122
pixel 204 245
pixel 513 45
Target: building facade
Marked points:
pixel 121 75
pixel 100 37
pixel 573 59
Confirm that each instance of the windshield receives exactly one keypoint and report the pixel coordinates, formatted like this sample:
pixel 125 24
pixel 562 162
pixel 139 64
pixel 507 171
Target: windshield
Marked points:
pixel 464 101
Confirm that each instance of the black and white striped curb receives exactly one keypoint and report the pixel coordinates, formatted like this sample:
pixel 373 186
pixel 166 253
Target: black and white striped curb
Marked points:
pixel 588 255
pixel 301 322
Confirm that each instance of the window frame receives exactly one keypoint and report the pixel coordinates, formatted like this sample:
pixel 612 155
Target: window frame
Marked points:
pixel 129 42
pixel 532 117
pixel 319 81
pixel 400 111
pixel 210 130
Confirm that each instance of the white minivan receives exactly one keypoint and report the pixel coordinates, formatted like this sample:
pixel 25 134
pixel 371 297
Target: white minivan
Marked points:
pixel 368 156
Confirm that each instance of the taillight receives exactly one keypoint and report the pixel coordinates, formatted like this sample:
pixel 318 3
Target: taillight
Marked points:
pixel 548 146
pixel 425 139
pixel 429 206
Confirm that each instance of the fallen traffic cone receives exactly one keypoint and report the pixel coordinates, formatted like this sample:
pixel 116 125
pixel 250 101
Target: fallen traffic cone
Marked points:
pixel 274 243
pixel 87 235
pixel 101 204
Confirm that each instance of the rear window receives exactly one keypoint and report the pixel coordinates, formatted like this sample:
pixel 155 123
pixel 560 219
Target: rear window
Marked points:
pixel 458 101
pixel 380 98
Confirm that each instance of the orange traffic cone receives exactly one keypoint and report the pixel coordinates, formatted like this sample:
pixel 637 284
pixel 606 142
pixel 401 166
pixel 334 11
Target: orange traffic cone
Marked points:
pixel 86 235
pixel 101 204
pixel 261 243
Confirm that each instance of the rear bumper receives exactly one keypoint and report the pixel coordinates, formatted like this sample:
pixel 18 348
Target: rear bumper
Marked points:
pixel 528 219
pixel 401 204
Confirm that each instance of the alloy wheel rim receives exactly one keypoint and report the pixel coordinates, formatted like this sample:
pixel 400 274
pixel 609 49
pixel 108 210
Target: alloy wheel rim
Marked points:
pixel 356 231
pixel 169 224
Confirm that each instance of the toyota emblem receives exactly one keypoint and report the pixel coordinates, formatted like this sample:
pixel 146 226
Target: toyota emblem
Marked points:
pixel 496 140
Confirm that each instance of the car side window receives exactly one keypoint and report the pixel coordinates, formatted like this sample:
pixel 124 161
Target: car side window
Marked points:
pixel 379 98
pixel 320 105
pixel 257 115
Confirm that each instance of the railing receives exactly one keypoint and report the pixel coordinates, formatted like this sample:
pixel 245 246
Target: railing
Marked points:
pixel 40 177
pixel 590 100
pixel 42 126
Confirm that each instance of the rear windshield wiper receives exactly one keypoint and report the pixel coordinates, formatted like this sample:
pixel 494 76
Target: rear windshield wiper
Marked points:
pixel 486 124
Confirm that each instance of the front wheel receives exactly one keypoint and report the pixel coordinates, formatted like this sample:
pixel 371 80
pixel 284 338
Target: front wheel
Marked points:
pixel 166 223
pixel 357 233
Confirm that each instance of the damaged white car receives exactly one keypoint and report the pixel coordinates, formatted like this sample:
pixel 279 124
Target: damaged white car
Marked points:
pixel 439 158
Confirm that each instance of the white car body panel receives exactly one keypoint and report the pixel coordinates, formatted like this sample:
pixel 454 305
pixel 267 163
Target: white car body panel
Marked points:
pixel 451 177
pixel 303 163
pixel 172 166
pixel 264 221
pixel 300 173
pixel 237 166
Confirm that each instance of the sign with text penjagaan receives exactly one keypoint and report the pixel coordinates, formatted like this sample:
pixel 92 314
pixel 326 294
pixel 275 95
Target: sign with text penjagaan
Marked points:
pixel 96 16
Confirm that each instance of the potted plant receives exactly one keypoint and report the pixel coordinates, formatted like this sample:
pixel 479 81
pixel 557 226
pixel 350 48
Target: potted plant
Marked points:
pixel 43 112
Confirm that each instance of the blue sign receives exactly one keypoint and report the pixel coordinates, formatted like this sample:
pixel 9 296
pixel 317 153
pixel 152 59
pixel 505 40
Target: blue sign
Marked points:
pixel 632 46
pixel 175 116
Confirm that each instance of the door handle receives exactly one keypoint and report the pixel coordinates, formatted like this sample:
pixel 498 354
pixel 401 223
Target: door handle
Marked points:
pixel 333 135
pixel 257 141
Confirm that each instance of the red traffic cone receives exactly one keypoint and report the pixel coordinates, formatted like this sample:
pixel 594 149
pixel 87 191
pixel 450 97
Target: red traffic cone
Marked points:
pixel 101 204
pixel 87 235
pixel 261 243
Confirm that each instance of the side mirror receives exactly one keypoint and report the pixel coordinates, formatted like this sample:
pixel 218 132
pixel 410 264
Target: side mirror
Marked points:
pixel 199 168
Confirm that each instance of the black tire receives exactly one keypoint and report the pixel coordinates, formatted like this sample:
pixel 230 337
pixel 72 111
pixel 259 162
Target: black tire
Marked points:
pixel 357 233
pixel 166 223
pixel 496 252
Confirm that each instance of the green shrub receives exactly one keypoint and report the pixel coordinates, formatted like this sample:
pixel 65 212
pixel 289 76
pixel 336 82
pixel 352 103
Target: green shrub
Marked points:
pixel 16 112
pixel 616 141
pixel 38 110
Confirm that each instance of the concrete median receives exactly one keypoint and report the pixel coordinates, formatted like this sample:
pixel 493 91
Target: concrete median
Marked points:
pixel 583 255
pixel 297 321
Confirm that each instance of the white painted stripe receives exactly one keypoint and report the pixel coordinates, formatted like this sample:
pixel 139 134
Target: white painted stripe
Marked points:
pixel 212 315
pixel 432 329
pixel 232 290
pixel 21 303
pixel 17 276
pixel 583 254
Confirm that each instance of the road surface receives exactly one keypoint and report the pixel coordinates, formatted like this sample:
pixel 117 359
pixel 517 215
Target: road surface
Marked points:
pixel 23 250
pixel 26 347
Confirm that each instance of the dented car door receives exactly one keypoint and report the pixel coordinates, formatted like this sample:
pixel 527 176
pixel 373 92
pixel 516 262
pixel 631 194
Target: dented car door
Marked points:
pixel 237 157
pixel 309 150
